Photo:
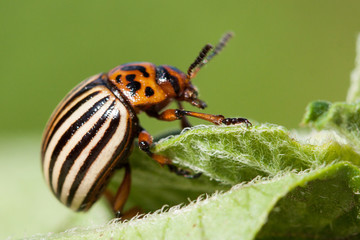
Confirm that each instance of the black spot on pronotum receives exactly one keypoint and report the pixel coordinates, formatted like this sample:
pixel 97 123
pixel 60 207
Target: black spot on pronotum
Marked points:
pixel 136 67
pixel 118 78
pixel 149 92
pixel 130 77
pixel 134 87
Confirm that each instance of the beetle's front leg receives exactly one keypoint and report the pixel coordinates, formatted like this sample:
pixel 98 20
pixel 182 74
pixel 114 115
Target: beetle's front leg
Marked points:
pixel 145 142
pixel 175 114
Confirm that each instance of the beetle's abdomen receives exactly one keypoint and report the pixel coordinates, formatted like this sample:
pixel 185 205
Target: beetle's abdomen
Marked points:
pixel 88 135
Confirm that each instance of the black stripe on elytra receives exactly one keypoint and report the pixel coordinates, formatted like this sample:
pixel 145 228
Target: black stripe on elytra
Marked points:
pixel 70 132
pixel 136 67
pixel 92 157
pixel 80 146
pixel 163 75
pixel 78 90
pixel 68 113
pixel 121 149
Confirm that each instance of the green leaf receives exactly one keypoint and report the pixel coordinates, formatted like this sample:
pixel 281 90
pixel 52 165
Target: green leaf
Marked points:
pixel 320 204
pixel 229 154
pixel 342 117
pixel 154 186
pixel 233 154
pixel 302 189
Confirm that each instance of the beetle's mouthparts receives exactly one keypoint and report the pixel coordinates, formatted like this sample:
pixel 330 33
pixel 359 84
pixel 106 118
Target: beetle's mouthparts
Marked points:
pixel 198 103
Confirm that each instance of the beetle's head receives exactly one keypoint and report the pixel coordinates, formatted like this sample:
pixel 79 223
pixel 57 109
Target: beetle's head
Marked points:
pixel 190 95
pixel 177 85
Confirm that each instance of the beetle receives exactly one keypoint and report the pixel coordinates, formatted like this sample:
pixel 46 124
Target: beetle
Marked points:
pixel 91 132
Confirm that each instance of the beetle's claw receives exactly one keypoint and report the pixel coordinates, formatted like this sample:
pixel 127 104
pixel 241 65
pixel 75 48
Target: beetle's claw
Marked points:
pixel 118 215
pixel 232 121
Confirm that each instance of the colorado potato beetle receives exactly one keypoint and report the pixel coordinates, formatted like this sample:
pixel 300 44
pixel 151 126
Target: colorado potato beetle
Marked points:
pixel 90 134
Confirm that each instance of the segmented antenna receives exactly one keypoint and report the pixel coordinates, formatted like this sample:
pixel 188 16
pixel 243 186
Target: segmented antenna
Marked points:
pixel 203 53
pixel 204 58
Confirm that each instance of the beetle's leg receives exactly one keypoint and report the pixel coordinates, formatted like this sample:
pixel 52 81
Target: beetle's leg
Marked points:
pixel 145 141
pixel 122 193
pixel 175 114
pixel 132 212
pixel 184 120
pixel 118 200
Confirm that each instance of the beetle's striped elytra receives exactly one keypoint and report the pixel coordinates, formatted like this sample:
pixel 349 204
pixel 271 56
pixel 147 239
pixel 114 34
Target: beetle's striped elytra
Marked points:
pixel 90 134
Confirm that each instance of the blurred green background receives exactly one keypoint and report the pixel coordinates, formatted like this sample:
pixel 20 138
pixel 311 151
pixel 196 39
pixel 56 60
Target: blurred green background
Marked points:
pixel 284 54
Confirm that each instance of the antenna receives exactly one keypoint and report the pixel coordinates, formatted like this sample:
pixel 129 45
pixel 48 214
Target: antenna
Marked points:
pixel 200 58
pixel 204 57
